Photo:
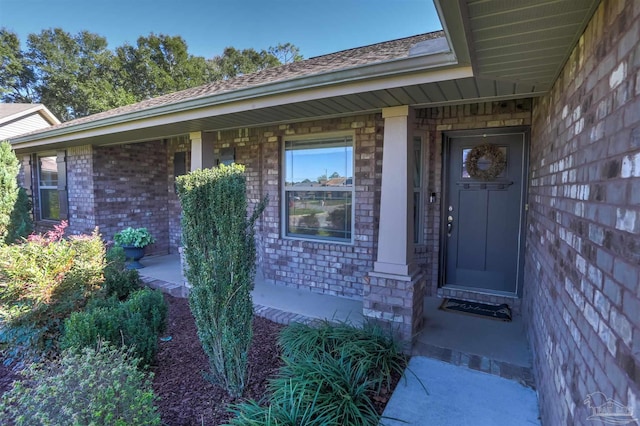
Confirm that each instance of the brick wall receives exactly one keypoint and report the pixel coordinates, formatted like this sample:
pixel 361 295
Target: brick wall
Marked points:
pixel 582 292
pixel 130 184
pixel 82 208
pixel 175 145
pixel 321 266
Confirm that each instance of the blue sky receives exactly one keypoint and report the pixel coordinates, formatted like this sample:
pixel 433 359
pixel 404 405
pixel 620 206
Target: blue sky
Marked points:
pixel 316 27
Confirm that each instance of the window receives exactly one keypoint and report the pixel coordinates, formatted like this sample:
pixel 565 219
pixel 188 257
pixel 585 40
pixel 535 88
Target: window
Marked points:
pixel 417 188
pixel 51 191
pixel 48 187
pixel 319 188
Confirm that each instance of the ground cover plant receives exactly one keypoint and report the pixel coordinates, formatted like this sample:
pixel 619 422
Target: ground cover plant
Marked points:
pixel 332 374
pixel 101 386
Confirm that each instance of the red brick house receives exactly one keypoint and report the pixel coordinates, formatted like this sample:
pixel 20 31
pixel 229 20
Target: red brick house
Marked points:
pixel 543 96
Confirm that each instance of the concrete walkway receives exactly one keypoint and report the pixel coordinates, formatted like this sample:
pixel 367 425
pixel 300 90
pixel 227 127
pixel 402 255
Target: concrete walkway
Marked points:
pixel 458 394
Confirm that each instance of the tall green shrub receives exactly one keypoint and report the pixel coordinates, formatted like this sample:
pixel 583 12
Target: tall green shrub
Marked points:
pixel 218 238
pixel 9 167
pixel 20 223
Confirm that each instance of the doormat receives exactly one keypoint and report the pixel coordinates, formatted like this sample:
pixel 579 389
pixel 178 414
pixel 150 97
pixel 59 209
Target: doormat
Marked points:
pixel 497 312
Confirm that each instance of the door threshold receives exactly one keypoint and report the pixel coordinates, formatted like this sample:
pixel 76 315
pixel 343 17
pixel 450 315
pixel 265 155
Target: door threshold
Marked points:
pixel 479 291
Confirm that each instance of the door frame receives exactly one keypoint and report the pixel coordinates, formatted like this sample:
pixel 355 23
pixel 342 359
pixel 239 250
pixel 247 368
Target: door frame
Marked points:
pixel 525 131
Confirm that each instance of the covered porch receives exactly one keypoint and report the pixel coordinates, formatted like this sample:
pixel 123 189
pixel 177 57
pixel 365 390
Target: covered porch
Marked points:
pixel 495 347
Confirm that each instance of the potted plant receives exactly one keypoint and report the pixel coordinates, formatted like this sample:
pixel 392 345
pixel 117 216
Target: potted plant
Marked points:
pixel 133 241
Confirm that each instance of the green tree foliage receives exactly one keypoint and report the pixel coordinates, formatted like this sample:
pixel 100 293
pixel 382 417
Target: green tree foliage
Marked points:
pixel 234 62
pixel 160 64
pixel 100 386
pixel 9 167
pixel 219 245
pixel 286 53
pixel 77 75
pixel 16 75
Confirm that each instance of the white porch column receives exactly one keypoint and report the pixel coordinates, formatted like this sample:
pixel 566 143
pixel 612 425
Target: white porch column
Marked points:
pixel 202 155
pixel 395 238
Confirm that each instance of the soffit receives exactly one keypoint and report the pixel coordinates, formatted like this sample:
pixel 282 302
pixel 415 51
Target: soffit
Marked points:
pixel 523 41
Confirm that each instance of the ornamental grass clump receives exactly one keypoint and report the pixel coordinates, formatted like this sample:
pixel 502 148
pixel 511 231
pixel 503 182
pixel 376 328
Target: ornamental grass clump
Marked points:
pixel 219 246
pixel 100 386
pixel 331 375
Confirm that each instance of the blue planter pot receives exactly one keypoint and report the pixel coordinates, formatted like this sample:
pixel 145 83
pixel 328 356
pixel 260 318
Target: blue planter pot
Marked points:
pixel 133 255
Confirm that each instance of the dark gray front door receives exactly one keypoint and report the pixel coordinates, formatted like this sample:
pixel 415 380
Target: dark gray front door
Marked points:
pixel 483 216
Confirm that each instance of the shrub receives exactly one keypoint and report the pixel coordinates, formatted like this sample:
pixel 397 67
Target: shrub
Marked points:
pixel 43 280
pixel 9 167
pixel 135 322
pixel 20 223
pixel 220 252
pixel 118 280
pixel 97 387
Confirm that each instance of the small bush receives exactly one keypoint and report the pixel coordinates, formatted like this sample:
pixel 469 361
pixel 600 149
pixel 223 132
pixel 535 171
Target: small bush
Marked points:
pixel 96 387
pixel 43 280
pixel 135 322
pixel 118 280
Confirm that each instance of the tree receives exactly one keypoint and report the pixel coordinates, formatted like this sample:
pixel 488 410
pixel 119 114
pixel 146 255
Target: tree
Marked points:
pixel 286 53
pixel 16 75
pixel 75 75
pixel 160 64
pixel 234 62
pixel 9 167
pixel 220 251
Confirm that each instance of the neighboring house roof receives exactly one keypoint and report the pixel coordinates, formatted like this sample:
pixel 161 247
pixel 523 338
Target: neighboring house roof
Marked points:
pixel 499 50
pixel 17 119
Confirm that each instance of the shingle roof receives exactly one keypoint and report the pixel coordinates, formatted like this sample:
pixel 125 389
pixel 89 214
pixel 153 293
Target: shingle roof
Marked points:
pixel 7 110
pixel 343 60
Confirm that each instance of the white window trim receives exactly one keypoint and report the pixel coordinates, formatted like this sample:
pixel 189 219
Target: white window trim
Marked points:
pixel 283 193
pixel 420 190
pixel 40 186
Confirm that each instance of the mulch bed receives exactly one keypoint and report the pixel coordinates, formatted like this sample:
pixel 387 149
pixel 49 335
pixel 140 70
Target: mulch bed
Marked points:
pixel 185 396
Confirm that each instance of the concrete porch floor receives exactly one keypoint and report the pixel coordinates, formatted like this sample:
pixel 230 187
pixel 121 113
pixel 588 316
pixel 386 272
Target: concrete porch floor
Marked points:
pixel 491 346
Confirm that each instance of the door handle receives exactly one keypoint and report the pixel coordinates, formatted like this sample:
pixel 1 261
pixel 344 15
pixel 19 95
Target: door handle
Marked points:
pixel 449 225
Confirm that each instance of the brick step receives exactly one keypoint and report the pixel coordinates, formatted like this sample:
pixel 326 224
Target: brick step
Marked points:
pixel 519 373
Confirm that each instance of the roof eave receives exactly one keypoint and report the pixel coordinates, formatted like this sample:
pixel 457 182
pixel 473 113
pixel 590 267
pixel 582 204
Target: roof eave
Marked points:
pixel 398 67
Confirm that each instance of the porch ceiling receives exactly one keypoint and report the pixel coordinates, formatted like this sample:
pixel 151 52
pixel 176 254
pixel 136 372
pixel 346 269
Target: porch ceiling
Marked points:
pixel 520 41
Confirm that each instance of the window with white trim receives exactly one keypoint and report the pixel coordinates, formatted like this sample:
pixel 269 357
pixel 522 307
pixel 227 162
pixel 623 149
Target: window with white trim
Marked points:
pixel 319 188
pixel 48 187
